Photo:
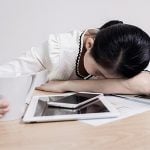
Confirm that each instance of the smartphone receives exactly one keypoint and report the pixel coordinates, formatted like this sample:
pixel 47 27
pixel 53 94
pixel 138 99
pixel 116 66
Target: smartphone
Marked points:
pixel 74 101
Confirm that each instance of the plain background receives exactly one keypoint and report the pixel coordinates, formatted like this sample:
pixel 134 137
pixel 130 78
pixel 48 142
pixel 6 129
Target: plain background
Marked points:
pixel 27 23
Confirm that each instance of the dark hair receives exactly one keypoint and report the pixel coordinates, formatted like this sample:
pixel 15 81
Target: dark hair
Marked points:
pixel 122 48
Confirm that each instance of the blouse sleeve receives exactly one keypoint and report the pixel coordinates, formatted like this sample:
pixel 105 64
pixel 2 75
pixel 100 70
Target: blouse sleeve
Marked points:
pixel 46 56
pixel 30 62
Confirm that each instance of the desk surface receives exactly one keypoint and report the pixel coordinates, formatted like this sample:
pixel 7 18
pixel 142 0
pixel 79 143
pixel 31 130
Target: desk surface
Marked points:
pixel 132 133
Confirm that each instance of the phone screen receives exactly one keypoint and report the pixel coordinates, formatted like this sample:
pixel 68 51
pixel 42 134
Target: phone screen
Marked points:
pixel 73 99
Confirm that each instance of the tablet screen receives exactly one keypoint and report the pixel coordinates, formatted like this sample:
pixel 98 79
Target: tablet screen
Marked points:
pixel 43 109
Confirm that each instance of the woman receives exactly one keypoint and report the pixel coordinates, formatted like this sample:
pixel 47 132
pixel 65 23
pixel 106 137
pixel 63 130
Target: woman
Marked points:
pixel 111 59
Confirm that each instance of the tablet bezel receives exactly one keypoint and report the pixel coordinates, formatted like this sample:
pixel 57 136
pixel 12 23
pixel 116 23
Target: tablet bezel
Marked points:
pixel 29 114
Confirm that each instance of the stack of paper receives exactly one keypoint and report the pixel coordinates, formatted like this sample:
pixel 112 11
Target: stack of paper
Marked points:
pixel 126 107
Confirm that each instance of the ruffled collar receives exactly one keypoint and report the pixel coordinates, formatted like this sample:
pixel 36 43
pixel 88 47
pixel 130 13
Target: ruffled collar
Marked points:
pixel 79 56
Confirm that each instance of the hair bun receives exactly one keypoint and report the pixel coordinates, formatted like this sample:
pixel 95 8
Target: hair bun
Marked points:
pixel 110 23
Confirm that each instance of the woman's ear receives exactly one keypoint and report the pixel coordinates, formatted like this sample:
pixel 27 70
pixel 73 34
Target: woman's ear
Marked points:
pixel 89 43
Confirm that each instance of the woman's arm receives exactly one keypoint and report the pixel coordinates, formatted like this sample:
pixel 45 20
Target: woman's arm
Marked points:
pixel 140 84
pixel 30 62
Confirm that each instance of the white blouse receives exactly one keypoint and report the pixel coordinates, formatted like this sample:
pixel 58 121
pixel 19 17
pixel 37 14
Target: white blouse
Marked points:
pixel 58 55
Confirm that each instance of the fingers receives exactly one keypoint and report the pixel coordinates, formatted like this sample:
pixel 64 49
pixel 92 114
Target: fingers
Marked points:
pixel 3 107
pixel 3 104
pixel 52 86
pixel 42 88
pixel 4 110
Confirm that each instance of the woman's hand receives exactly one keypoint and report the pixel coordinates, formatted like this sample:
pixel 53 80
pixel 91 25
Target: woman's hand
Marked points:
pixel 140 84
pixel 3 107
pixel 54 86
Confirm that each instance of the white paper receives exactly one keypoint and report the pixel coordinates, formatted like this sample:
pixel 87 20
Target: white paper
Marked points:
pixel 38 79
pixel 14 90
pixel 125 107
pixel 17 90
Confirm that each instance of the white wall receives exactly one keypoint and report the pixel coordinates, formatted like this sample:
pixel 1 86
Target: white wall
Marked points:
pixel 26 23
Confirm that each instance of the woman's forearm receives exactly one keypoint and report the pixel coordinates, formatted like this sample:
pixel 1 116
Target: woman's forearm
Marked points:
pixel 139 84
pixel 108 86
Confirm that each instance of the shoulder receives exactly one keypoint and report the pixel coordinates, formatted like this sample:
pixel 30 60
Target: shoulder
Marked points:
pixel 67 39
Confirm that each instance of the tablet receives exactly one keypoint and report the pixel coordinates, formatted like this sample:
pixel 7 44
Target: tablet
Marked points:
pixel 40 111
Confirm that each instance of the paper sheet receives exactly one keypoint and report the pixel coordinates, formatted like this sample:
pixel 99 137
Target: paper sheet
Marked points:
pixel 17 90
pixel 125 107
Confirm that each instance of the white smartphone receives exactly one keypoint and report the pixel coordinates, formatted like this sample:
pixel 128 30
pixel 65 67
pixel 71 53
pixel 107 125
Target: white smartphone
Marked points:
pixel 73 101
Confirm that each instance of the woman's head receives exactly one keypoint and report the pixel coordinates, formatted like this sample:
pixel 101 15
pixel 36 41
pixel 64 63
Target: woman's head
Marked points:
pixel 119 49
